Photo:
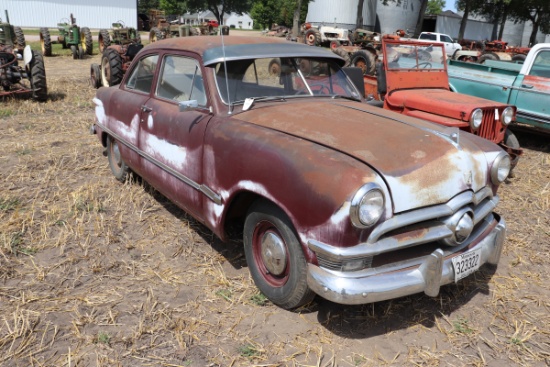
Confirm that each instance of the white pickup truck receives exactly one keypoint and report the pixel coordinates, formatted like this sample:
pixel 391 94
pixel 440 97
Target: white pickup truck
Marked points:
pixel 450 45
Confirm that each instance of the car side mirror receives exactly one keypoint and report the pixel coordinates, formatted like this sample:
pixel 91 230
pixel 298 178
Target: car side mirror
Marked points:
pixel 185 105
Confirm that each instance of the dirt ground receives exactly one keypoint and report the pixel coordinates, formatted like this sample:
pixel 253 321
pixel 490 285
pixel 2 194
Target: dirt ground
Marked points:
pixel 98 273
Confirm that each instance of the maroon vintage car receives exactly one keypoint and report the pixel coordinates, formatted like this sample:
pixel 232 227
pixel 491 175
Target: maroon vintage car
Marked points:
pixel 334 197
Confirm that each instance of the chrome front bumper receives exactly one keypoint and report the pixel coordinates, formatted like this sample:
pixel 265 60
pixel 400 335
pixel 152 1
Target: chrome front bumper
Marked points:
pixel 425 275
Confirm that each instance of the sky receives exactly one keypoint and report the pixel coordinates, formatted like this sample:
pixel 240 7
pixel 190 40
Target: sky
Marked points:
pixel 450 5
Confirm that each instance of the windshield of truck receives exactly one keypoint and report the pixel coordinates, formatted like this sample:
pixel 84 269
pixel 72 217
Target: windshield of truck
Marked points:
pixel 415 57
pixel 282 78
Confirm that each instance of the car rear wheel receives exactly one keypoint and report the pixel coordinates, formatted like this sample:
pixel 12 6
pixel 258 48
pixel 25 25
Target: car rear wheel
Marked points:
pixel 274 255
pixel 118 167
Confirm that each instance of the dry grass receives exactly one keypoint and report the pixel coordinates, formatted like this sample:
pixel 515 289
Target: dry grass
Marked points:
pixel 98 273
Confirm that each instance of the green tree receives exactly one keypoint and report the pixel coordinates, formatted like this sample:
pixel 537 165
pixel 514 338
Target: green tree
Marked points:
pixel 265 12
pixel 219 10
pixel 145 5
pixel 171 6
pixel 474 7
pixel 535 11
pixel 435 7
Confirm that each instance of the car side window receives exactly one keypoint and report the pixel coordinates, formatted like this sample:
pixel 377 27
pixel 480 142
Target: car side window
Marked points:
pixel 181 80
pixel 141 78
pixel 446 39
pixel 541 65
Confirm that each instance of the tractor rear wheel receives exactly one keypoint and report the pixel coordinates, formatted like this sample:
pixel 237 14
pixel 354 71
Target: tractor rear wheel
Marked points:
pixel 95 76
pixel 312 37
pixel 155 35
pixel 38 77
pixel 487 56
pixel 111 68
pixel 86 40
pixel 19 38
pixel 364 60
pixel 104 40
pixel 46 41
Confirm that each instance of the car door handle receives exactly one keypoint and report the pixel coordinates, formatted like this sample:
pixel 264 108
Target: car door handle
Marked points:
pixel 527 86
pixel 146 109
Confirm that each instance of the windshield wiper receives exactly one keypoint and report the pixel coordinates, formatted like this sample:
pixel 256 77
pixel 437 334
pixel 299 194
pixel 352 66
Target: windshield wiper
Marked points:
pixel 248 102
pixel 334 96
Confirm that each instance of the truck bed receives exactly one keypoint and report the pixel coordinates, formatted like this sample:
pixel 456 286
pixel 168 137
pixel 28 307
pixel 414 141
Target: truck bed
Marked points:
pixel 480 80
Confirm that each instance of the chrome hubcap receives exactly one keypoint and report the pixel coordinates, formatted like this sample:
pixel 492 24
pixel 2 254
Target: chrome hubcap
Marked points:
pixel 273 251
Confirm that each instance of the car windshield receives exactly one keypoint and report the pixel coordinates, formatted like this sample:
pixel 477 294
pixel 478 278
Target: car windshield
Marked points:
pixel 415 57
pixel 281 78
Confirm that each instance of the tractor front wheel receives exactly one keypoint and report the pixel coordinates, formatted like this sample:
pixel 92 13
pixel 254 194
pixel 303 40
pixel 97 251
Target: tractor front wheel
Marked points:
pixel 155 35
pixel 104 40
pixel 364 60
pixel 38 77
pixel 111 68
pixel 95 76
pixel 19 37
pixel 86 40
pixel 45 42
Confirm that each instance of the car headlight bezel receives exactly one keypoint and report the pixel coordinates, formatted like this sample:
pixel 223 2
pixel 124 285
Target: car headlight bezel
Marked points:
pixel 508 116
pixel 476 119
pixel 367 206
pixel 501 168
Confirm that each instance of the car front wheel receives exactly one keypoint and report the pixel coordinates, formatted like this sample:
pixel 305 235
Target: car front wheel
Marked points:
pixel 275 257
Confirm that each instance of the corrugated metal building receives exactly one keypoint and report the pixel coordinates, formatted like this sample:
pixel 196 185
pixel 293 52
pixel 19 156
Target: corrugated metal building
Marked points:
pixel 388 19
pixel 93 14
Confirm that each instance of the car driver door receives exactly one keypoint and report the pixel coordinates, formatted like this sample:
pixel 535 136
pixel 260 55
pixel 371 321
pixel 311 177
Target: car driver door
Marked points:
pixel 127 109
pixel 171 138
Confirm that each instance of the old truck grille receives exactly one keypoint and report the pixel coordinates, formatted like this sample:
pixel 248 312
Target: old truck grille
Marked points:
pixel 489 126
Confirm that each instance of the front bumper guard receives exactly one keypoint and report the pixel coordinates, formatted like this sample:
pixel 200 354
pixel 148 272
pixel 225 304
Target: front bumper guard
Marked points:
pixel 435 270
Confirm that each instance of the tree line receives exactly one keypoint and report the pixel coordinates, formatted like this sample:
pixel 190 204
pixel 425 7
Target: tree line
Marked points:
pixel 290 13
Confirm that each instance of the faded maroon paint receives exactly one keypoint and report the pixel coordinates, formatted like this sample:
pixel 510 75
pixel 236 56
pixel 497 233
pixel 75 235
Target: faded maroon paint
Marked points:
pixel 308 157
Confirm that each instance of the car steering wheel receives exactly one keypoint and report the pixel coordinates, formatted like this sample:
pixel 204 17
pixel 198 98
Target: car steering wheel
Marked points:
pixel 320 88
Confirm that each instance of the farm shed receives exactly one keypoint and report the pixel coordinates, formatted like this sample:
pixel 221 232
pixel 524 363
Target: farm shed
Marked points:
pixel 47 13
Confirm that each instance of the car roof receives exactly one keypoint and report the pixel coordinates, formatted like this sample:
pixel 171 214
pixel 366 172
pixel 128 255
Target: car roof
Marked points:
pixel 214 49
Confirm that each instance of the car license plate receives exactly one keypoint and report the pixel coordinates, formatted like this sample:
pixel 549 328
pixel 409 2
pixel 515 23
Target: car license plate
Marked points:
pixel 466 263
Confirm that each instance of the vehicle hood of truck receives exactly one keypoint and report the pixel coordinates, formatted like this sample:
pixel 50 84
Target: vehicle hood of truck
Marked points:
pixel 419 161
pixel 440 102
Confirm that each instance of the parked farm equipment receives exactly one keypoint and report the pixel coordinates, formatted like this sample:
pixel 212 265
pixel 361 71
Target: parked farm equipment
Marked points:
pixel 118 49
pixel 14 77
pixel 480 51
pixel 79 40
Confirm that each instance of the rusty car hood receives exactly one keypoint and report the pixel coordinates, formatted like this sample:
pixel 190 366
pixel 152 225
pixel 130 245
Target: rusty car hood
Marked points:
pixel 440 102
pixel 418 160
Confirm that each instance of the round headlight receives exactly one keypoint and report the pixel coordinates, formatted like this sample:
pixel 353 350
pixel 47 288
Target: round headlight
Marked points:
pixel 500 169
pixel 367 206
pixel 507 115
pixel 477 117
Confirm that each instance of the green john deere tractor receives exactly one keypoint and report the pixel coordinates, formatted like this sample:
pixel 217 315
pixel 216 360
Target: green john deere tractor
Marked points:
pixel 79 40
pixel 21 69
